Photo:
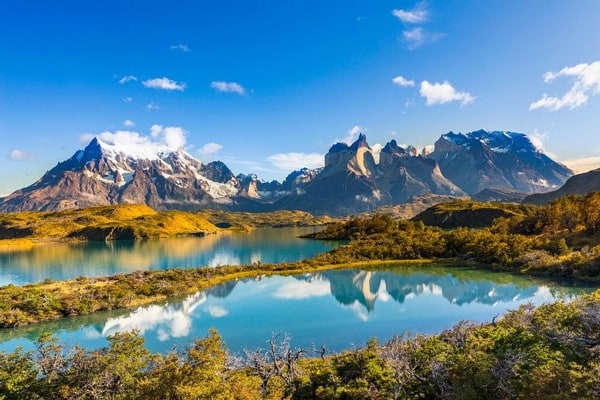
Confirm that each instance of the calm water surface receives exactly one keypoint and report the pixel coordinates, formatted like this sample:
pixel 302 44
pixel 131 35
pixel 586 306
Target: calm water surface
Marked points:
pixel 71 260
pixel 340 309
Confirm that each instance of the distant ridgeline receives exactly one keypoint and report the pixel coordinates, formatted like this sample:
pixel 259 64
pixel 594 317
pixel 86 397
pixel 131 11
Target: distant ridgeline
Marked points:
pixel 485 165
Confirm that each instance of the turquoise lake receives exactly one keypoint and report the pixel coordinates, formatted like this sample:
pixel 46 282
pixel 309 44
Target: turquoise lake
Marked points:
pixel 62 261
pixel 339 309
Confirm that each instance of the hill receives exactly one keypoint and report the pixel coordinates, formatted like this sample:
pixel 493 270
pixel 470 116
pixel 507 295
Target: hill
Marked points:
pixel 470 214
pixel 102 223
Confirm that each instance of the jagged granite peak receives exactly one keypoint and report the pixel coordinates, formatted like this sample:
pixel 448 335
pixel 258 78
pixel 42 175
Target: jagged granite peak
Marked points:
pixel 405 175
pixel 496 160
pixel 361 141
pixel 357 157
pixel 350 182
pixel 392 148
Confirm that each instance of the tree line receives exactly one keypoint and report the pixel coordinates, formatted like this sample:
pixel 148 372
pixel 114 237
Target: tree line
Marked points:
pixel 549 352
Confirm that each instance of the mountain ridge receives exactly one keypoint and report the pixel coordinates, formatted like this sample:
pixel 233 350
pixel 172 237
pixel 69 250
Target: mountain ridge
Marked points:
pixel 350 182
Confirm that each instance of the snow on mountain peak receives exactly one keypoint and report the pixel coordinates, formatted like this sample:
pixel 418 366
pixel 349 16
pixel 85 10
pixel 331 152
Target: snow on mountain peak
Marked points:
pixel 162 140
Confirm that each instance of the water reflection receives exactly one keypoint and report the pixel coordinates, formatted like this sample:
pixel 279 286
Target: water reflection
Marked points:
pixel 69 260
pixel 339 308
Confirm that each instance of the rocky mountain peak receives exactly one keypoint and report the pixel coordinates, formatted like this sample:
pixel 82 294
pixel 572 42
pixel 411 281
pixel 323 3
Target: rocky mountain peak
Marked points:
pixel 392 148
pixel 360 142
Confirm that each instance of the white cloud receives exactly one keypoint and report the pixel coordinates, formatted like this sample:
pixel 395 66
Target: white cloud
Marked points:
pixel 161 139
pixel 228 87
pixel 440 93
pixel 376 151
pixel 402 81
pixel 586 83
pixel 351 135
pixel 216 311
pixel 164 84
pixel 417 15
pixel 181 47
pixel 152 106
pixel 538 138
pixel 210 148
pixel 127 99
pixel 128 123
pixel 294 161
pixel 127 78
pixel 168 321
pixel 19 155
pixel 299 290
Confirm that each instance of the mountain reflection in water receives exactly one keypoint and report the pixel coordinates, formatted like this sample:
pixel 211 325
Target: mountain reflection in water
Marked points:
pixel 60 261
pixel 338 308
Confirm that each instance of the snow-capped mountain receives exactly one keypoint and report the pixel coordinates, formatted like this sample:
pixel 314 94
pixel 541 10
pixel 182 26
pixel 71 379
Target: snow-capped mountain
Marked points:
pixel 500 160
pixel 350 182
pixel 104 174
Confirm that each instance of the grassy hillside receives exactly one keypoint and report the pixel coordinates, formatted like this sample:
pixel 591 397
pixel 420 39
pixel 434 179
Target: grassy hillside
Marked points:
pixel 131 221
pixel 470 214
pixel 277 219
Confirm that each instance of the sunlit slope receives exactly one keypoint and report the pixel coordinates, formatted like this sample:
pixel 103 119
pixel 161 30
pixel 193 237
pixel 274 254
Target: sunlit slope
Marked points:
pixel 129 221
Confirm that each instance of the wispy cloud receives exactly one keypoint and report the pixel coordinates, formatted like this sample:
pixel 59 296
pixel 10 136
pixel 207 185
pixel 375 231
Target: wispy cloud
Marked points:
pixel 586 83
pixel 210 148
pixel 216 311
pixel 127 100
pixel 128 123
pixel 152 106
pixel 127 78
pixel 181 47
pixel 440 93
pixel 538 138
pixel 351 135
pixel 228 87
pixel 164 84
pixel 294 161
pixel 417 15
pixel 20 155
pixel 417 37
pixel 402 81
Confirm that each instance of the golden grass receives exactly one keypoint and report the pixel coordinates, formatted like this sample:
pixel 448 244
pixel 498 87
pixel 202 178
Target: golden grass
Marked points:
pixel 129 221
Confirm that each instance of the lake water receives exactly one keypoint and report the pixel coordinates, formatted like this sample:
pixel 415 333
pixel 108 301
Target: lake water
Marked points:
pixel 62 261
pixel 340 309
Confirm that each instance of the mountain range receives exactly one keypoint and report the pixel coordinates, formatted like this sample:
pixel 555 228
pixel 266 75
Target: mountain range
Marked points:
pixel 354 178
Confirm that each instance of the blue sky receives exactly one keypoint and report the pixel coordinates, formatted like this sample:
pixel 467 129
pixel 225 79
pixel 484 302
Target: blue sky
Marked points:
pixel 268 86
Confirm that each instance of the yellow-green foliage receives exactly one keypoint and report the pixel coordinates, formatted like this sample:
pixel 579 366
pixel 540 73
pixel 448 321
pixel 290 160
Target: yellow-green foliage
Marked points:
pixel 466 213
pixel 128 221
pixel 277 219
pixel 546 353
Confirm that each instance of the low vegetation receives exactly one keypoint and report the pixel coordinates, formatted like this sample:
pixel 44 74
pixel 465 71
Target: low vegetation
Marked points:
pixel 275 219
pixel 550 352
pixel 546 353
pixel 470 214
pixel 557 240
pixel 561 239
pixel 128 221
